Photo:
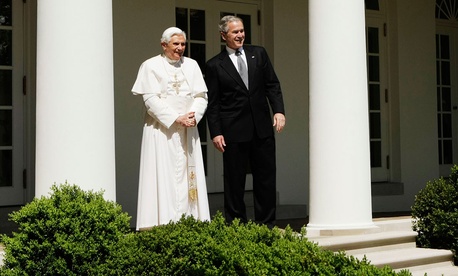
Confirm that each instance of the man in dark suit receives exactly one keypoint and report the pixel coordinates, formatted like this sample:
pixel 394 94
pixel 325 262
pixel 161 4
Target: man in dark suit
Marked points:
pixel 240 121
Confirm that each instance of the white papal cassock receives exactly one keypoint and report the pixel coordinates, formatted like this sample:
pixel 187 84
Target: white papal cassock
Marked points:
pixel 171 164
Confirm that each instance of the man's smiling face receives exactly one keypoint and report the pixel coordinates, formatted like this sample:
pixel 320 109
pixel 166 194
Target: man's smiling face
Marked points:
pixel 235 35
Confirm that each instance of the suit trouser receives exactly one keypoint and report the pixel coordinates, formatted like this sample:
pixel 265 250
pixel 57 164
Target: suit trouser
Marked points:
pixel 260 154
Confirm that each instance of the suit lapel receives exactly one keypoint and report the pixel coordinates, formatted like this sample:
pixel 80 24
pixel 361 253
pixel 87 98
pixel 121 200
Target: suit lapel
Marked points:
pixel 251 62
pixel 228 66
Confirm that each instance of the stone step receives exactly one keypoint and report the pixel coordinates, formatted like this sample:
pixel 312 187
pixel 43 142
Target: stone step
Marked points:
pixel 391 242
pixel 437 269
pixel 394 224
pixel 407 257
pixel 372 242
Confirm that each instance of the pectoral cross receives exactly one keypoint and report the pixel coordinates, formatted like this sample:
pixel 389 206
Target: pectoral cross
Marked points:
pixel 176 84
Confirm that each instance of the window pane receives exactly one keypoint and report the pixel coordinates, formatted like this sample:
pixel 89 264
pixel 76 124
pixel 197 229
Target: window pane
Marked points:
pixel 197 18
pixel 446 100
pixel 372 40
pixel 6 87
pixel 439 126
pixel 445 72
pixel 198 53
pixel 437 47
pixel 6 128
pixel 373 70
pixel 5 13
pixel 375 126
pixel 6 168
pixel 438 73
pixel 181 19
pixel 440 13
pixel 5 47
pixel 374 97
pixel 445 48
pixel 376 156
pixel 372 5
pixel 448 156
pixel 440 152
pixel 447 125
pixel 438 99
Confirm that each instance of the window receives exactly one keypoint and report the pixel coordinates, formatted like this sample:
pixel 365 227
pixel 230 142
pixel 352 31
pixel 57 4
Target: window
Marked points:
pixel 447 9
pixel 444 99
pixel 373 71
pixel 6 94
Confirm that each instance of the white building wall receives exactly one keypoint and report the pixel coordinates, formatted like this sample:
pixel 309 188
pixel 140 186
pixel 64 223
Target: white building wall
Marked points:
pixel 417 86
pixel 290 55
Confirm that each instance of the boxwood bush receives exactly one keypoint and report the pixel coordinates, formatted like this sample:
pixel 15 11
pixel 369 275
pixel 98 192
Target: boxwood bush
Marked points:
pixel 191 247
pixel 435 214
pixel 78 233
pixel 72 232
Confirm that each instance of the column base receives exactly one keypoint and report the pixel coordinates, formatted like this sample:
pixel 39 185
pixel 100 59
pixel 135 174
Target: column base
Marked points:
pixel 341 230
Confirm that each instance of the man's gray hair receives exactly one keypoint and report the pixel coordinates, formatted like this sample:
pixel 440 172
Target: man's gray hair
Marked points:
pixel 226 20
pixel 169 32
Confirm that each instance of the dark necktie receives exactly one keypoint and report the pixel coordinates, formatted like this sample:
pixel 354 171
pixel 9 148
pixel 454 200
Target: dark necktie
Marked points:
pixel 243 71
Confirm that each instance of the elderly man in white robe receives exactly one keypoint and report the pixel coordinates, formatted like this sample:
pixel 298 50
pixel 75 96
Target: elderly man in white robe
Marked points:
pixel 172 177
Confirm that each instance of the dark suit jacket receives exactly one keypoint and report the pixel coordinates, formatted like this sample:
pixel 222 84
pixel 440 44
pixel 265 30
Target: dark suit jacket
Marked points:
pixel 233 110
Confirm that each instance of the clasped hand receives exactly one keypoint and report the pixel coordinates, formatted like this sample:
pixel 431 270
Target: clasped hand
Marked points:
pixel 187 120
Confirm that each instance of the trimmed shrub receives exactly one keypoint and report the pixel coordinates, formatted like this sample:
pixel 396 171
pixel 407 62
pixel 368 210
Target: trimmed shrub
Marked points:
pixel 79 233
pixel 191 247
pixel 435 214
pixel 72 232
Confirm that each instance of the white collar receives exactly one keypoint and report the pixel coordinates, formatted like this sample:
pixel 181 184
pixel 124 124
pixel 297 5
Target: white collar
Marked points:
pixel 232 51
pixel 172 61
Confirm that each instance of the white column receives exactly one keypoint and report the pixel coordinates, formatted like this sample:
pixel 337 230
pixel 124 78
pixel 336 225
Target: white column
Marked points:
pixel 340 182
pixel 75 101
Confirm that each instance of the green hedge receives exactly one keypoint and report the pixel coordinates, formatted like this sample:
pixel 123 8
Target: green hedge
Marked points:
pixel 72 232
pixel 191 247
pixel 435 214
pixel 78 233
